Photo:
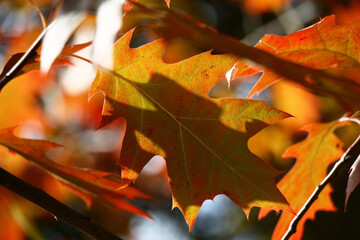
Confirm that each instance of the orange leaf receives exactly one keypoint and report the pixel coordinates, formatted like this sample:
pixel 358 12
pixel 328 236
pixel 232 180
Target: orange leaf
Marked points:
pixel 128 6
pixel 203 140
pixel 92 183
pixel 345 89
pixel 261 6
pixel 34 63
pixel 70 49
pixel 324 45
pixel 313 155
pixel 346 13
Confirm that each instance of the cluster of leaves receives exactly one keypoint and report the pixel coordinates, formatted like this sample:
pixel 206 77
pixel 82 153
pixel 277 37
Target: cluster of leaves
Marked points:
pixel 205 141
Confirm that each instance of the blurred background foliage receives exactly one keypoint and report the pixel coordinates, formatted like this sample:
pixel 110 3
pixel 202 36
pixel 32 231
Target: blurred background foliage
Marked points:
pixel 55 107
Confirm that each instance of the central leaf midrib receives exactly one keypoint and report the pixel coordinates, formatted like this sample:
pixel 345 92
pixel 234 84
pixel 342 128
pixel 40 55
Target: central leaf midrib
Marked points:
pixel 190 132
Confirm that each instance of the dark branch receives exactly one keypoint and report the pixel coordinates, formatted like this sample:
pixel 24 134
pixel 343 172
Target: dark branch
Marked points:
pixel 59 210
pixel 351 154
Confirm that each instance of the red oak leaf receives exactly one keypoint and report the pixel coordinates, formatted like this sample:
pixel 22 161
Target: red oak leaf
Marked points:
pixel 313 155
pixel 90 183
pixel 324 45
pixel 203 140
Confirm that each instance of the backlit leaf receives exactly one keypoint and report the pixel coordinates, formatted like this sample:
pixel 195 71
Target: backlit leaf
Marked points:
pixel 313 156
pixel 90 183
pixel 128 6
pixel 258 7
pixel 342 83
pixel 324 45
pixel 34 63
pixel 203 140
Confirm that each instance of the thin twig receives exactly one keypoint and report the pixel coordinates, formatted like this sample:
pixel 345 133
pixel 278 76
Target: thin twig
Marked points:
pixel 59 210
pixel 351 154
pixel 54 10
pixel 352 119
pixel 41 15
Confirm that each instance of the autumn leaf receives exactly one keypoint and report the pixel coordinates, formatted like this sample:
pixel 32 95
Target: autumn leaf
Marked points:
pixel 34 62
pixel 324 45
pixel 86 183
pixel 258 7
pixel 342 84
pixel 345 13
pixel 167 3
pixel 128 6
pixel 62 59
pixel 203 140
pixel 313 156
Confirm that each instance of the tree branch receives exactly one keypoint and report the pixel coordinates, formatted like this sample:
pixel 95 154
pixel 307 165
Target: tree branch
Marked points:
pixel 25 58
pixel 59 210
pixel 351 154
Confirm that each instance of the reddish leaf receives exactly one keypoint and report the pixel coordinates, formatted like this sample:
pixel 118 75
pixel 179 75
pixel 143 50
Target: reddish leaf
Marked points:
pixel 321 46
pixel 128 6
pixel 321 81
pixel 104 185
pixel 313 155
pixel 259 7
pixel 345 13
pixel 71 49
pixel 203 140
pixel 354 179
pixel 61 59
pixel 34 64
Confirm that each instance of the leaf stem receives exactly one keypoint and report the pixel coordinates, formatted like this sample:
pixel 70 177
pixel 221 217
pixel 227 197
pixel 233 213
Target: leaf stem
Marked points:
pixel 59 210
pixel 351 154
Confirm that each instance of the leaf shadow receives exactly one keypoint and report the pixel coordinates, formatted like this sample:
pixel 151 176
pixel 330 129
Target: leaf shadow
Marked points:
pixel 203 140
